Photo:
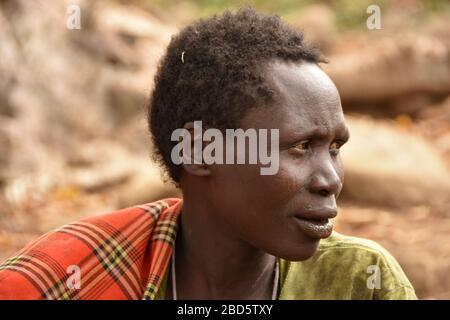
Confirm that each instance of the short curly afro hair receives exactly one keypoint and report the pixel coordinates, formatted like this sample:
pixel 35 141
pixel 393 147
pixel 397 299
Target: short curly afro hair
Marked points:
pixel 213 72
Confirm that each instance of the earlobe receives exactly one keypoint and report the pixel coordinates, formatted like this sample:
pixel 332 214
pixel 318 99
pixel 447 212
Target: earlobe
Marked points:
pixel 197 169
pixel 196 165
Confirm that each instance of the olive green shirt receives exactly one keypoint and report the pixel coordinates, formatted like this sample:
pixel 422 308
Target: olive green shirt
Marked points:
pixel 342 268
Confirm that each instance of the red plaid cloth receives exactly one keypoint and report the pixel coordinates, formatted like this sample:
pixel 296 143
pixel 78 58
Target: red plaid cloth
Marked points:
pixel 120 255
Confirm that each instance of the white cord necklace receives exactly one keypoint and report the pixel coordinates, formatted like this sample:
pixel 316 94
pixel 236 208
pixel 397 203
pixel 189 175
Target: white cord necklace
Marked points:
pixel 174 281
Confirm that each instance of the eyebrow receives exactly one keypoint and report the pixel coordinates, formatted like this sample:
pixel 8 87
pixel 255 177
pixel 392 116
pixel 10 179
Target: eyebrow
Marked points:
pixel 321 132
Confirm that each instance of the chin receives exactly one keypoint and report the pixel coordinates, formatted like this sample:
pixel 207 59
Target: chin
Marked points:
pixel 302 251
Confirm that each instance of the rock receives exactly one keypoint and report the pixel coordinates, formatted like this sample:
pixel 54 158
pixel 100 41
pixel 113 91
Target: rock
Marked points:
pixel 125 101
pixel 317 22
pixel 146 186
pixel 434 123
pixel 388 166
pixel 59 92
pixel 381 72
pixel 106 165
pixel 5 147
pixel 100 165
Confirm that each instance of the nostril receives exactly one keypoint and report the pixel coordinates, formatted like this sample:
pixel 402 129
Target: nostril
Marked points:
pixel 325 183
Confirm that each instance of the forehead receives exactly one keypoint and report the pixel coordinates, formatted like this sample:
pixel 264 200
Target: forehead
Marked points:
pixel 305 99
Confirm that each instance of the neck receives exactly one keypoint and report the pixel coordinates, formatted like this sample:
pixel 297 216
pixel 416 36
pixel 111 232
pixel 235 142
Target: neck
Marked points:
pixel 212 263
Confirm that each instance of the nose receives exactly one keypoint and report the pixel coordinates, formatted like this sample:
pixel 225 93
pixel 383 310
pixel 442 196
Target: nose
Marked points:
pixel 325 180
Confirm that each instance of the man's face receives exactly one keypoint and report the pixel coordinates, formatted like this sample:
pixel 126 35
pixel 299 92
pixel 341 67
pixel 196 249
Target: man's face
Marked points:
pixel 286 214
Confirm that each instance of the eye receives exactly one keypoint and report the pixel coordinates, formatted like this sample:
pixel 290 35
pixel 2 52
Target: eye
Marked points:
pixel 335 146
pixel 302 146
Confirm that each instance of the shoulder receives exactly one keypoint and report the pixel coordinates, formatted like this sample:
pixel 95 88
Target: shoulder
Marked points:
pixel 353 268
pixel 152 211
pixel 354 247
pixel 100 246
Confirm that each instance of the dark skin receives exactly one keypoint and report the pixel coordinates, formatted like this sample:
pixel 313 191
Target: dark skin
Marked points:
pixel 235 221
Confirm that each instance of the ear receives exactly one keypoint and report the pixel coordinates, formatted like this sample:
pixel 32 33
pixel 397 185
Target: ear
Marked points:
pixel 196 135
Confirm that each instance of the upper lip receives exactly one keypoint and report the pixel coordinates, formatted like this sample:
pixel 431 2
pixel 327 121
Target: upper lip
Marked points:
pixel 317 214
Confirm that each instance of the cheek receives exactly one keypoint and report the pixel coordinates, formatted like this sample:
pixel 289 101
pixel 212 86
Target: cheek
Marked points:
pixel 293 176
pixel 340 169
pixel 245 184
pixel 234 187
pixel 259 196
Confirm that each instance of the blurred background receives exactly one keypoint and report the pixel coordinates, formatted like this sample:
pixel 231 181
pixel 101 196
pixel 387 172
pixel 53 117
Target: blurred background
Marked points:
pixel 73 137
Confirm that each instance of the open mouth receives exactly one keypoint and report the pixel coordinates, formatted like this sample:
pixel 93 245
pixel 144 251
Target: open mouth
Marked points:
pixel 317 220
pixel 317 228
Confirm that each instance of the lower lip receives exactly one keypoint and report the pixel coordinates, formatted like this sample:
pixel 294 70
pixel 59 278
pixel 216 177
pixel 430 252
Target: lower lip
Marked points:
pixel 315 229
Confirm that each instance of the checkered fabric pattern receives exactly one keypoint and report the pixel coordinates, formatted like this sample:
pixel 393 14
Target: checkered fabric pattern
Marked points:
pixel 120 255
